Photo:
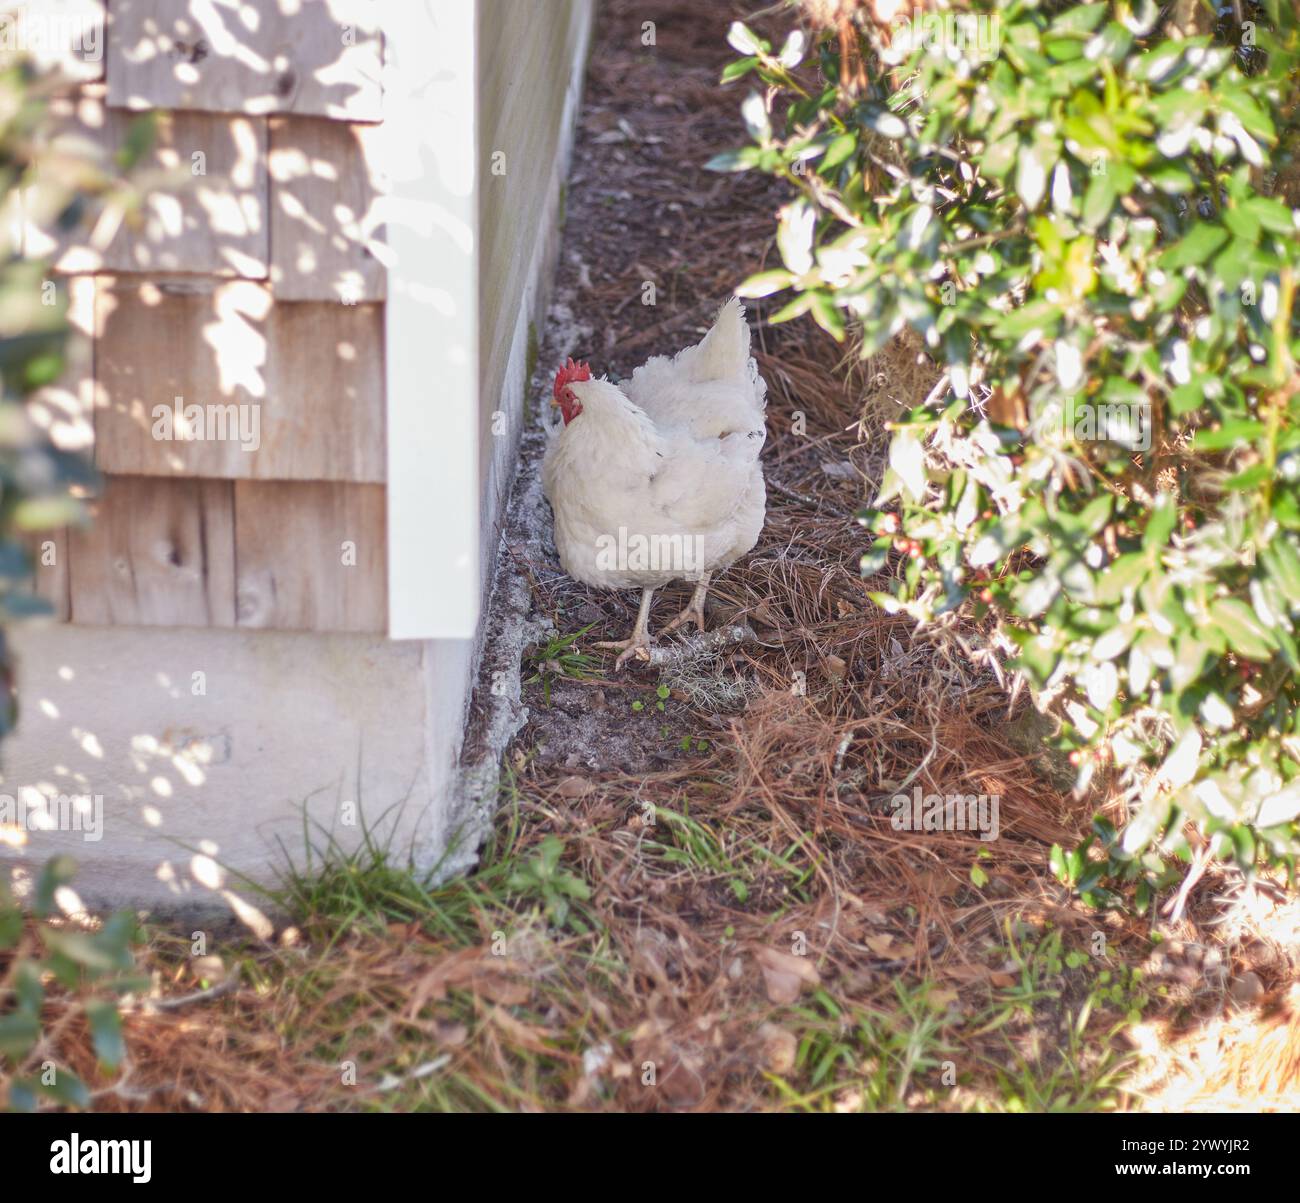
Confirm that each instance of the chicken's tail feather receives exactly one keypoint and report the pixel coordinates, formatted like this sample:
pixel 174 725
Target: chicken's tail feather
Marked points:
pixel 724 353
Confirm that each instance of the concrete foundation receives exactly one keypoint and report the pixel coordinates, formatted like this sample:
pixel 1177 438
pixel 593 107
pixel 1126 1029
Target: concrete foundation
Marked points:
pixel 171 764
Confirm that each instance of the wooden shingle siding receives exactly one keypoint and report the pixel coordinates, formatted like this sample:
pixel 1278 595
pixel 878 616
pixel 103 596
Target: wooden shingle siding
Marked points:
pixel 325 389
pixel 228 359
pixel 324 229
pixel 312 57
pixel 283 390
pixel 160 553
pixel 311 557
pixel 168 342
pixel 211 553
pixel 208 214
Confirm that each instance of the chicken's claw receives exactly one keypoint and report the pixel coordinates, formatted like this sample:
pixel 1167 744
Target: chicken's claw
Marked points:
pixel 634 647
pixel 693 613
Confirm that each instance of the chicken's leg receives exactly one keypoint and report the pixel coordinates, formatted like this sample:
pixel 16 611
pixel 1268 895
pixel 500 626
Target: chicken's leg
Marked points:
pixel 639 640
pixel 694 611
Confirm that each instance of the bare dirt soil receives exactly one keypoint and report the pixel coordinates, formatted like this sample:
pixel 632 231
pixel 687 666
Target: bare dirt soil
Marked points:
pixel 808 734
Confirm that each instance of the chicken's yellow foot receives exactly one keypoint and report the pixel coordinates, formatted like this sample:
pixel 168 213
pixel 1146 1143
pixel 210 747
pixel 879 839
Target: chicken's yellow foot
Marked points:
pixel 637 645
pixel 639 642
pixel 694 611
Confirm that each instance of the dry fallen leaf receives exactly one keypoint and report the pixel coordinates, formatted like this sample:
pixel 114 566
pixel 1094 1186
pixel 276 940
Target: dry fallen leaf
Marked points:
pixel 1007 409
pixel 526 1037
pixel 784 975
pixel 209 969
pixel 779 1048
pixel 474 969
pixel 451 1034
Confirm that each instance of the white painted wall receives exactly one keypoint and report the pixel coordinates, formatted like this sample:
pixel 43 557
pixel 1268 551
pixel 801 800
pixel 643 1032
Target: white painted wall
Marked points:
pixel 430 158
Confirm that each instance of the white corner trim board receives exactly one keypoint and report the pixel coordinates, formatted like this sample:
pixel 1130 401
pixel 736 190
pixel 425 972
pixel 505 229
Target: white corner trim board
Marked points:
pixel 428 153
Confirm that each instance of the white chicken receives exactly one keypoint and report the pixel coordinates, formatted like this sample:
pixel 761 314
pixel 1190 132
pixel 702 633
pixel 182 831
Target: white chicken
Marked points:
pixel 658 479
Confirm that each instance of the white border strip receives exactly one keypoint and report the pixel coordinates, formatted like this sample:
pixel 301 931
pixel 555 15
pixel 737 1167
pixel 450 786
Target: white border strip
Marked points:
pixel 429 140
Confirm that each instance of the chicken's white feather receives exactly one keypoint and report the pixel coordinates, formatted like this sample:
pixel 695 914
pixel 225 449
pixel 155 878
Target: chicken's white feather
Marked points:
pixel 671 456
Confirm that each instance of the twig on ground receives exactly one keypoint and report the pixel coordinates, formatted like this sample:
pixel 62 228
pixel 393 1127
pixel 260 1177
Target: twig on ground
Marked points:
pixel 811 503
pixel 392 1081
pixel 697 646
pixel 225 986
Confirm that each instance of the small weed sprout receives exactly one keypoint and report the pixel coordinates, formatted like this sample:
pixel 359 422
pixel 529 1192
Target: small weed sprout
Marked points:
pixel 559 657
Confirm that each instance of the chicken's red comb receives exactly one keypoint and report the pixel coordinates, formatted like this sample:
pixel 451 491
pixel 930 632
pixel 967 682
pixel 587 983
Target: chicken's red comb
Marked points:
pixel 570 372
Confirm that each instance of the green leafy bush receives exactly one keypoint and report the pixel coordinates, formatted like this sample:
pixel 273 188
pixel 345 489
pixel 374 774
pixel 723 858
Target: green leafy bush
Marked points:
pixel 94 969
pixel 1082 211
pixel 41 487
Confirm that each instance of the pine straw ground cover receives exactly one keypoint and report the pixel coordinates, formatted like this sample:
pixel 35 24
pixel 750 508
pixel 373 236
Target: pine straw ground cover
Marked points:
pixel 700 903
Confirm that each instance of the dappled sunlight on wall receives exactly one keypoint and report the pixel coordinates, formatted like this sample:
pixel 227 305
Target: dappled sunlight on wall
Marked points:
pixel 189 759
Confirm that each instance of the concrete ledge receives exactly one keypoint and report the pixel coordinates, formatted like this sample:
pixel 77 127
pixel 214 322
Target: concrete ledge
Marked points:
pixel 202 754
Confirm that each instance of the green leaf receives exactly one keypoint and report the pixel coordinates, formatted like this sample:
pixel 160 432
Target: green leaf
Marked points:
pixel 1187 397
pixel 56 872
pixel 46 513
pixel 1110 45
pixel 1057 861
pixel 827 316
pixel 22 1095
pixel 87 950
pixel 106 1030
pixel 793 309
pixel 66 1088
pixel 1121 576
pixel 1246 635
pixel 839 150
pixel 754 112
pixel 1241 432
pixel 1161 523
pixel 737 69
pixel 1271 214
pixel 1283 564
pixel 1078 19
pixel 1254 119
pixel 18 1033
pixel 550 849
pixel 1195 248
pixel 735 160
pixel 763 284
pixel 1248 479
pixel 744 40
pixel 1033 164
pixel 1099 199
